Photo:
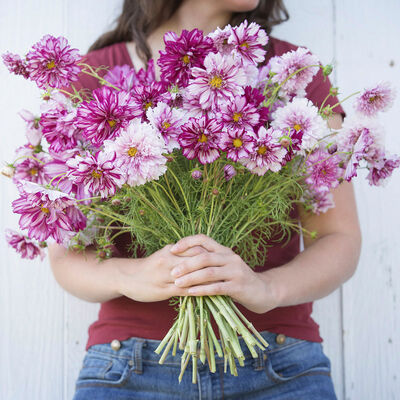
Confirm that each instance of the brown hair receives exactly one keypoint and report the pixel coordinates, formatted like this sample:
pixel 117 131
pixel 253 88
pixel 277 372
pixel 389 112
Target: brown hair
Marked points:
pixel 139 18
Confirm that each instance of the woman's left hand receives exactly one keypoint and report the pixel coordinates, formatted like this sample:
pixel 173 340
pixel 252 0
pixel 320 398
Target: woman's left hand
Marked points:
pixel 220 271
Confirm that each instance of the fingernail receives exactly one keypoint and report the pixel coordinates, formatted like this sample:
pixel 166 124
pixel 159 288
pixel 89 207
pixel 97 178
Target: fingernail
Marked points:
pixel 175 272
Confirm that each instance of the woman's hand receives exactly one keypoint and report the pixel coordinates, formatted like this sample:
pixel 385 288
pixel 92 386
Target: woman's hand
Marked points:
pixel 220 271
pixel 149 279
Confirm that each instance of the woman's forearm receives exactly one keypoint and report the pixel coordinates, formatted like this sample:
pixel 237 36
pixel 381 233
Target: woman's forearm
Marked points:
pixel 317 271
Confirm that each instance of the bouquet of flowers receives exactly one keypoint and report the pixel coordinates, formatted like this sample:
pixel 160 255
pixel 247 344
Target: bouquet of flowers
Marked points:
pixel 221 145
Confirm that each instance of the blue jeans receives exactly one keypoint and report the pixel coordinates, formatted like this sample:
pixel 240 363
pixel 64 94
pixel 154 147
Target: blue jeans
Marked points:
pixel 292 369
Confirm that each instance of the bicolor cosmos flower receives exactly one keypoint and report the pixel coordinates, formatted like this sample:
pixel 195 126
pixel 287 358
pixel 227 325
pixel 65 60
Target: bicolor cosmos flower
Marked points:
pixel 229 172
pixel 322 171
pixel 382 168
pixel 249 41
pixel 220 39
pixel 139 153
pixel 284 68
pixel 52 62
pixel 15 64
pixel 24 246
pixel 220 81
pixel 200 138
pixel 145 97
pixel 167 122
pixel 103 117
pixel 32 169
pixel 181 54
pixel 239 113
pixel 375 99
pixel 301 115
pixel 96 173
pixel 236 143
pixel 268 154
pixel 48 213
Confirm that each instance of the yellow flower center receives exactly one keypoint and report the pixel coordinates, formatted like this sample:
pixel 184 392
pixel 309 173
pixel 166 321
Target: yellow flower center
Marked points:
pixel 33 171
pixel 132 152
pixel 148 105
pixel 373 98
pixel 237 142
pixel 96 174
pixel 236 116
pixel 186 59
pixel 45 210
pixel 202 138
pixel 216 82
pixel 245 44
pixel 51 64
pixel 262 150
pixel 111 122
pixel 166 125
pixel 297 127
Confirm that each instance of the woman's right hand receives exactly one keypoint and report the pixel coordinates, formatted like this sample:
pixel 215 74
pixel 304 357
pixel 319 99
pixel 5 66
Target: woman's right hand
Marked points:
pixel 149 279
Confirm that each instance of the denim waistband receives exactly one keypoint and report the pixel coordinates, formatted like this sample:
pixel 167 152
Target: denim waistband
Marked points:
pixel 140 350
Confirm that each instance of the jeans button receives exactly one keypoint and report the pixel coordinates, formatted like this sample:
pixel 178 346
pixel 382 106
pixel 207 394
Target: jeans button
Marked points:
pixel 280 339
pixel 115 344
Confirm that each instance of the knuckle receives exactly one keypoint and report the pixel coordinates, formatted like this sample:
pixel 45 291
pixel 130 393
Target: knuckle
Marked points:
pixel 204 258
pixel 210 272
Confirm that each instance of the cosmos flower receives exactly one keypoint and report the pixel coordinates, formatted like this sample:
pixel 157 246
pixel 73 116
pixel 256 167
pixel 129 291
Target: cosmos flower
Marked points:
pixel 15 64
pixel 236 143
pixel 220 39
pixel 32 169
pixel 382 169
pixel 301 115
pixel 47 213
pixel 320 201
pixel 181 54
pixel 285 65
pixel 139 153
pixel 220 81
pixel 97 173
pixel 103 117
pixel 52 62
pixel 239 113
pixel 268 154
pixel 145 97
pixel 229 172
pixel 200 138
pixel 23 245
pixel 34 131
pixel 375 99
pixel 249 41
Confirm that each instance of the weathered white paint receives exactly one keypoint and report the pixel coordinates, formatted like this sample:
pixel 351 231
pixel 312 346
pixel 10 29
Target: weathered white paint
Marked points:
pixel 44 329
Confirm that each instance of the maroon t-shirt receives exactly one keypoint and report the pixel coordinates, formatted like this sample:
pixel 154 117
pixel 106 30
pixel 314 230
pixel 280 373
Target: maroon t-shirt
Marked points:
pixel 122 318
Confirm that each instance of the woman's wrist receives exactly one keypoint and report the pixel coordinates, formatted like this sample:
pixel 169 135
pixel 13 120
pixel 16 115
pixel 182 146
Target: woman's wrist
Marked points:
pixel 274 291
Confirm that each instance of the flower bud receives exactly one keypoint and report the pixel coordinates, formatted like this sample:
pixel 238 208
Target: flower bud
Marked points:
pixel 285 142
pixel 141 212
pixel 215 192
pixel 333 91
pixel 127 199
pixel 169 158
pixel 229 172
pixel 332 148
pixel 8 171
pixel 197 174
pixel 42 245
pixel 116 202
pixel 327 69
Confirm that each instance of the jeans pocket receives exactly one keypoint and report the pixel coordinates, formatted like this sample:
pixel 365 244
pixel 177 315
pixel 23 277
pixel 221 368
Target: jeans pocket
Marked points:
pixel 302 358
pixel 102 369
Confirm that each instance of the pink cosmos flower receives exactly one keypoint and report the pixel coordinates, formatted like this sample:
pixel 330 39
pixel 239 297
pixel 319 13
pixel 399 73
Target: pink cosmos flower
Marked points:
pixel 52 62
pixel 104 116
pixel 220 39
pixel 375 99
pixel 322 171
pixel 249 42
pixel 181 54
pixel 97 173
pixel 48 213
pixel 236 143
pixel 229 172
pixel 382 169
pixel 15 64
pixel 23 245
pixel 268 154
pixel 167 121
pixel 34 131
pixel 145 97
pixel 221 81
pixel 320 201
pixel 301 115
pixel 239 113
pixel 285 65
pixel 200 138
pixel 139 153
pixel 32 169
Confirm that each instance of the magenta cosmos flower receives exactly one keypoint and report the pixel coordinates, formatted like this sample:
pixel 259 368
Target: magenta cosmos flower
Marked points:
pixel 139 153
pixel 287 64
pixel 200 138
pixel 32 169
pixel 249 42
pixel 220 81
pixel 52 62
pixel 236 143
pixel 48 213
pixel 375 99
pixel 181 54
pixel 25 247
pixel 104 116
pixel 267 154
pixel 239 113
pixel 145 97
pixel 15 64
pixel 96 173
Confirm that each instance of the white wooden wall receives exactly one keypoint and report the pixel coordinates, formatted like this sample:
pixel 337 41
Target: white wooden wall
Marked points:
pixel 43 330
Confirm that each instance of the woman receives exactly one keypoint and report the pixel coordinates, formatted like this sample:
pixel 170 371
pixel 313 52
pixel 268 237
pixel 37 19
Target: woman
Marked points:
pixel 120 362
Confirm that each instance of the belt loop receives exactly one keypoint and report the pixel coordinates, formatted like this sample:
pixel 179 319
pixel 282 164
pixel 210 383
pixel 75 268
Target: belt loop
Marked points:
pixel 137 355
